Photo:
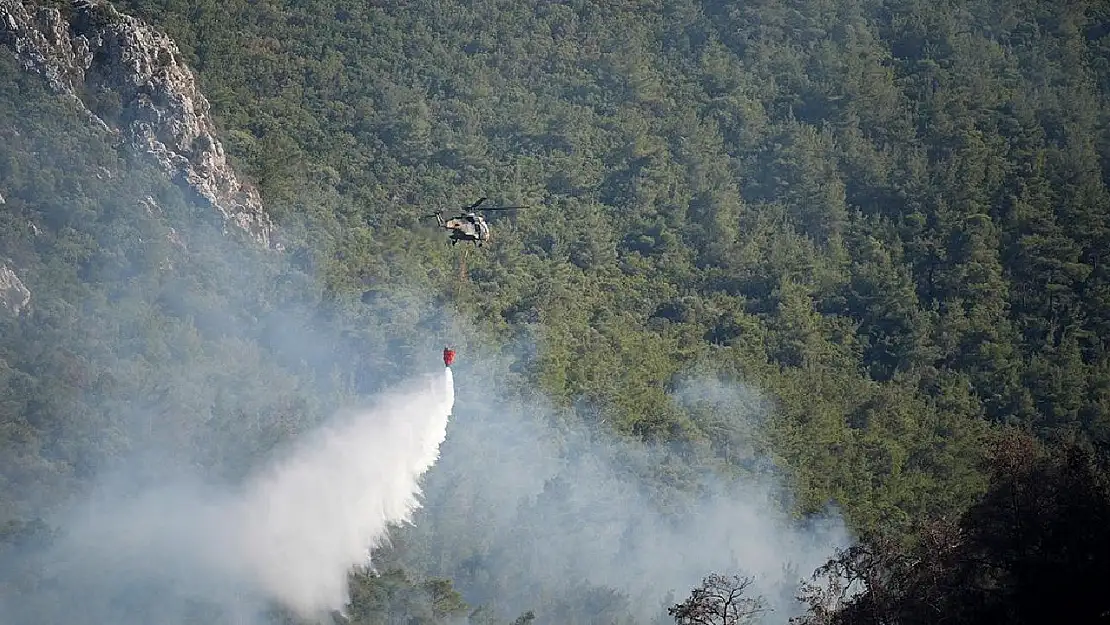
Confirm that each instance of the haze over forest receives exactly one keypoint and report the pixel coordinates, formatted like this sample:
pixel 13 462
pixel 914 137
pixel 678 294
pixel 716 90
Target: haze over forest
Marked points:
pixel 800 285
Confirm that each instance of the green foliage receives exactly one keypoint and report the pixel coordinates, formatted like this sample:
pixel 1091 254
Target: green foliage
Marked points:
pixel 392 597
pixel 1039 531
pixel 889 216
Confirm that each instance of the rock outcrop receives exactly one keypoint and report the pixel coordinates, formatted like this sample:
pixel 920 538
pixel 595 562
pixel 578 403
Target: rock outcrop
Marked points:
pixel 133 76
pixel 14 297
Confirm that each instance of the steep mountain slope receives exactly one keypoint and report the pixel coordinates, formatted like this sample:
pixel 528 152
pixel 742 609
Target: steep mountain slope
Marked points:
pixel 129 79
pixel 836 199
pixel 888 218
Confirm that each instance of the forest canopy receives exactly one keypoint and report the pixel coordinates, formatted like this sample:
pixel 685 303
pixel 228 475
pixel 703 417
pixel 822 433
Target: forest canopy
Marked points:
pixel 882 225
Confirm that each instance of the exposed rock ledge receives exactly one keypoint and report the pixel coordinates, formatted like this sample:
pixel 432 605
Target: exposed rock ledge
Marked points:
pixel 98 52
pixel 14 297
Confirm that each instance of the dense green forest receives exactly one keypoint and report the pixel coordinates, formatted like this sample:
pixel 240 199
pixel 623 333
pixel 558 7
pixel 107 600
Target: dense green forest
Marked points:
pixel 842 256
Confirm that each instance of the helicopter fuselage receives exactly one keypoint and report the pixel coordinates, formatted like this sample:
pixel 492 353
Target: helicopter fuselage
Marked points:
pixel 468 227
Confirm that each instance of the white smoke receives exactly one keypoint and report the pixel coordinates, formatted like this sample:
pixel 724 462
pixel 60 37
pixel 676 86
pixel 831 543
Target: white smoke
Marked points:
pixel 291 533
pixel 560 514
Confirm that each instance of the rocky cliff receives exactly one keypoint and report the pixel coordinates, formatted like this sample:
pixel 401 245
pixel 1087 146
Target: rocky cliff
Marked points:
pixel 130 79
pixel 14 297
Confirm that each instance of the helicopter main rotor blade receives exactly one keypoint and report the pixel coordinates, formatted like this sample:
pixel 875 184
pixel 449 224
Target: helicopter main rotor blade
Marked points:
pixel 503 208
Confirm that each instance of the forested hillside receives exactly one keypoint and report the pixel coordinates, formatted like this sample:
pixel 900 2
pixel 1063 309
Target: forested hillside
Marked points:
pixel 820 253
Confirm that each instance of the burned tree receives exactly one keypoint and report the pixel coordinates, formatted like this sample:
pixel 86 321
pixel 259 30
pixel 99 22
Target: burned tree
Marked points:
pixel 720 600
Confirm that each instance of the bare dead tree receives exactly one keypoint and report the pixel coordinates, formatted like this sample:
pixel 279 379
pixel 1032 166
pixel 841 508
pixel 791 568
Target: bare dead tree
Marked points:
pixel 720 600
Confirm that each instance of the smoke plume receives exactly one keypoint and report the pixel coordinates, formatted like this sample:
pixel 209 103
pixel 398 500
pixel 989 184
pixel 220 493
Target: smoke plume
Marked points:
pixel 533 510
pixel 290 533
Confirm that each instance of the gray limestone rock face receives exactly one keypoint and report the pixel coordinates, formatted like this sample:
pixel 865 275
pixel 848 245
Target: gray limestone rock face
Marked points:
pixel 14 296
pixel 97 51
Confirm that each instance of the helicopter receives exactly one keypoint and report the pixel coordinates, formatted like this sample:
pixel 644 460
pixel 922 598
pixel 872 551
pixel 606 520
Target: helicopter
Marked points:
pixel 470 226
